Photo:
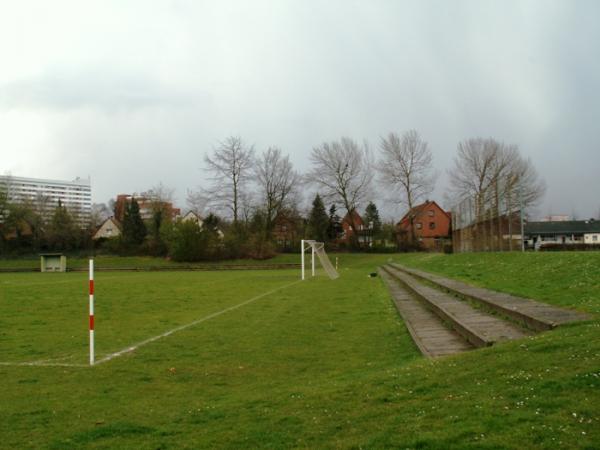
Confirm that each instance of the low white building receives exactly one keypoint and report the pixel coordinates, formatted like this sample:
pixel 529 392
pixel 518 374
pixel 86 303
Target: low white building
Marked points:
pixel 538 234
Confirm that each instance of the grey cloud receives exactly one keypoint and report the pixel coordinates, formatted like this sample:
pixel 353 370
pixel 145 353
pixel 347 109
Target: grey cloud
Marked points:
pixel 295 74
pixel 91 90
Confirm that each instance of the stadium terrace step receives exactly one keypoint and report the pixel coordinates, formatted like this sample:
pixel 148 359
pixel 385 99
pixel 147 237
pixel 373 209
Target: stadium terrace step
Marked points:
pixel 476 326
pixel 427 331
pixel 532 314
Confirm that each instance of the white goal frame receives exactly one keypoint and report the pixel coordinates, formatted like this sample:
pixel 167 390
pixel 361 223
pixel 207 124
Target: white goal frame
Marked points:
pixel 316 248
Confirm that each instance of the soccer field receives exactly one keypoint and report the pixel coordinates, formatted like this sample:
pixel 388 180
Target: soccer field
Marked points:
pixel 260 360
pixel 198 385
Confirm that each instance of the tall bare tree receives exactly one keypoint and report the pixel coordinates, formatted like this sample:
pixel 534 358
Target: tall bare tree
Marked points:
pixel 230 164
pixel 485 169
pixel 343 171
pixel 406 164
pixel 277 180
pixel 160 193
pixel 197 200
pixel 473 165
pixel 495 180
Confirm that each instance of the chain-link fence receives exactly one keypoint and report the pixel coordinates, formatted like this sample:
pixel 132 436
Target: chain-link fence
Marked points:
pixel 487 221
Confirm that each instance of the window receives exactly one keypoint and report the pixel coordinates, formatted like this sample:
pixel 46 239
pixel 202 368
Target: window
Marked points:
pixel 432 225
pixel 430 213
pixel 419 225
pixel 595 238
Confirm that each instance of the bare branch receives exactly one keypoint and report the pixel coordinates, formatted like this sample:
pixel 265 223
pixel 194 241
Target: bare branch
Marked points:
pixel 230 165
pixel 406 165
pixel 343 171
pixel 277 180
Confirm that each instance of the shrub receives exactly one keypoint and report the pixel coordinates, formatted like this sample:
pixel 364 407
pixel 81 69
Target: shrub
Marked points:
pixel 188 242
pixel 569 247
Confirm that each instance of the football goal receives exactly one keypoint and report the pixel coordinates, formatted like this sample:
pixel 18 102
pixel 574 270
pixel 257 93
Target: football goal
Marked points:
pixel 318 249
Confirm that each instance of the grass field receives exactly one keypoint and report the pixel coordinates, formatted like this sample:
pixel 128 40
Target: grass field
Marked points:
pixel 319 364
pixel 109 261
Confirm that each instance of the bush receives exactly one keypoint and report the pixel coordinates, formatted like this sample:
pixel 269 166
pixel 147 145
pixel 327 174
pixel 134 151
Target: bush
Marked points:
pixel 408 247
pixel 382 249
pixel 569 247
pixel 188 242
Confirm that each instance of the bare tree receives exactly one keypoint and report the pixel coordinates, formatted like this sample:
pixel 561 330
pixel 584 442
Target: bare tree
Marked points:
pixel 472 167
pixel 100 212
pixel 230 165
pixel 343 170
pixel 197 201
pixel 494 180
pixel 406 164
pixel 160 193
pixel 277 181
pixel 485 169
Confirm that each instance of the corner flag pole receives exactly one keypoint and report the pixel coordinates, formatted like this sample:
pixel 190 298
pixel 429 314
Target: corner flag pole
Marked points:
pixel 91 312
pixel 302 253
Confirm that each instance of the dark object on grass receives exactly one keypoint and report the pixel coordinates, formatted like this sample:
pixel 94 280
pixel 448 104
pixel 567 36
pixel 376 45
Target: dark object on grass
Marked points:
pixel 373 274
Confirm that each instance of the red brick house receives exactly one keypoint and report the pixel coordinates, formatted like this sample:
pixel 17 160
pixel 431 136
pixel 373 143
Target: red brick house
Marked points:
pixel 286 230
pixel 432 226
pixel 146 207
pixel 360 228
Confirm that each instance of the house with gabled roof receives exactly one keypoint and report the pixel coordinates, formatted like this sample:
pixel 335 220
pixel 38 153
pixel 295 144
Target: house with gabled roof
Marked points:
pixel 192 216
pixel 287 229
pixel 360 228
pixel 432 225
pixel 110 228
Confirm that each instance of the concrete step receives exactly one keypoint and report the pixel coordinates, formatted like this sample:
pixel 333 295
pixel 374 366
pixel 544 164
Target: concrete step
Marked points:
pixel 478 327
pixel 428 332
pixel 530 313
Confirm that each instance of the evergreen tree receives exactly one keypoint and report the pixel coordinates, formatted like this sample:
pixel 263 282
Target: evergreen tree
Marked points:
pixel 134 230
pixel 334 228
pixel 156 245
pixel 318 221
pixel 372 217
pixel 62 231
pixel 211 223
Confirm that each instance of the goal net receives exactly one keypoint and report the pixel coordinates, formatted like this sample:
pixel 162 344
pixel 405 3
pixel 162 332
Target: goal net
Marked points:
pixel 317 249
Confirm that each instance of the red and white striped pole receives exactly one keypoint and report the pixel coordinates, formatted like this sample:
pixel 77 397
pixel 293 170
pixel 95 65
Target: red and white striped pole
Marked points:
pixel 91 312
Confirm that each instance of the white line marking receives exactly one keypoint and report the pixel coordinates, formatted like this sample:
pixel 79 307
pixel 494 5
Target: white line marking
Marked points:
pixel 45 362
pixel 50 363
pixel 41 364
pixel 191 324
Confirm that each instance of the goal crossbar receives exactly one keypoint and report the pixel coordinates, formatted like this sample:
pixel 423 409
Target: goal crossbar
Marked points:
pixel 318 249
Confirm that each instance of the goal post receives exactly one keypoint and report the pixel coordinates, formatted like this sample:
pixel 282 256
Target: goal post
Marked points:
pixel 316 249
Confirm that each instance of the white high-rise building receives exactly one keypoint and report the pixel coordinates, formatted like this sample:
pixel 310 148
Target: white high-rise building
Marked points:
pixel 44 195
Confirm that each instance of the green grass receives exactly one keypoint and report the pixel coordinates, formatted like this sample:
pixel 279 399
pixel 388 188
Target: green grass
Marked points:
pixel 104 261
pixel 570 279
pixel 319 364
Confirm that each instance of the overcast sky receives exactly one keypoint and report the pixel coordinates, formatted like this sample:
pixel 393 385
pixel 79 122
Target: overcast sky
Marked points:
pixel 135 92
